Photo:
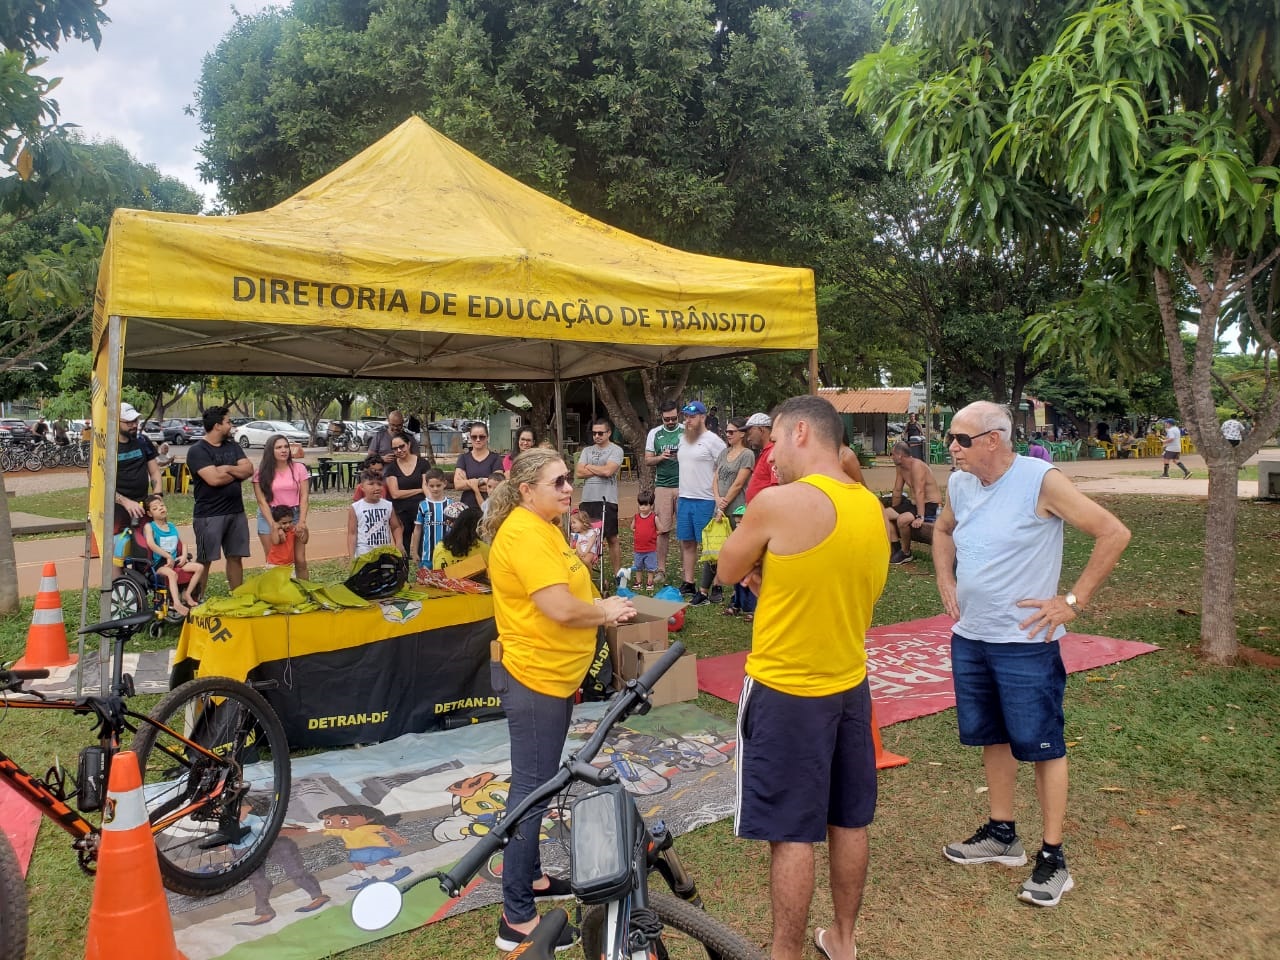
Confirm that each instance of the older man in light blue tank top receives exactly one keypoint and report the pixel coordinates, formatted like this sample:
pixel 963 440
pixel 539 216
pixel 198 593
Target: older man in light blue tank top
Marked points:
pixel 998 552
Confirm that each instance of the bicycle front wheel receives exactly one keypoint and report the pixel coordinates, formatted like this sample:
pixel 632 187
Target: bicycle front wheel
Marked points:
pixel 214 817
pixel 688 933
pixel 13 904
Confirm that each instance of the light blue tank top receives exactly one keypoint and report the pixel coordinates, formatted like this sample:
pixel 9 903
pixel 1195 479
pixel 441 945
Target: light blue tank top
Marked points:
pixel 1004 552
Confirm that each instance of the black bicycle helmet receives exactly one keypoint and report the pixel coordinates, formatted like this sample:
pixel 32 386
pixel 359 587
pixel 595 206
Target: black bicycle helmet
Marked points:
pixel 379 576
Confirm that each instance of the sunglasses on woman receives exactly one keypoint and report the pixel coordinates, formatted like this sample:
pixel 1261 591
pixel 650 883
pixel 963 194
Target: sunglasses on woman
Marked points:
pixel 965 439
pixel 564 481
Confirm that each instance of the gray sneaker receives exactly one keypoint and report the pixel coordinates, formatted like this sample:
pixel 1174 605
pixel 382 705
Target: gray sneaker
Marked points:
pixel 982 847
pixel 1047 883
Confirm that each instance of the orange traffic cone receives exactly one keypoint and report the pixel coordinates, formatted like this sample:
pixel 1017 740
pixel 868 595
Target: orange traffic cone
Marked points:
pixel 47 638
pixel 884 759
pixel 130 915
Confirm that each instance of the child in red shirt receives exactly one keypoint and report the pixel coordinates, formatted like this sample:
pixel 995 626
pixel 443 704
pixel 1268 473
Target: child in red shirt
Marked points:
pixel 281 554
pixel 644 527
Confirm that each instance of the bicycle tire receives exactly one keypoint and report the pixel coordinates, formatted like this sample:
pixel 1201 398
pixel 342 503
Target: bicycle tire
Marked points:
pixel 696 933
pixel 33 462
pixel 238 724
pixel 13 904
pixel 130 594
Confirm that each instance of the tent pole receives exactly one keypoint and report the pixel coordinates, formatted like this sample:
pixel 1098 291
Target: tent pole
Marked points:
pixel 813 373
pixel 115 355
pixel 559 397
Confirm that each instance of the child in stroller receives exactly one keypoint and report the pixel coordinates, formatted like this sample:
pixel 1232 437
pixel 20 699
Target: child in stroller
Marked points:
pixel 168 559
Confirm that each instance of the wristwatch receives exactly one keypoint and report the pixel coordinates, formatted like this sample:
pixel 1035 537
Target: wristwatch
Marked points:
pixel 1072 602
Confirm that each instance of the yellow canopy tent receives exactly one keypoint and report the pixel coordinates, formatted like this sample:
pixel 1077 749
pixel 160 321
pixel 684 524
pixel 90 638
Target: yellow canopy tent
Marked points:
pixel 417 260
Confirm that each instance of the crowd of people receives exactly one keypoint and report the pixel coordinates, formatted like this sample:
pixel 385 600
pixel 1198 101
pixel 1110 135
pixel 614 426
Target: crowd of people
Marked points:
pixel 808 544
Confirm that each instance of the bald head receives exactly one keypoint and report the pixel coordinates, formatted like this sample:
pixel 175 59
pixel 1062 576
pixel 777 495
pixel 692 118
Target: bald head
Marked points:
pixel 983 415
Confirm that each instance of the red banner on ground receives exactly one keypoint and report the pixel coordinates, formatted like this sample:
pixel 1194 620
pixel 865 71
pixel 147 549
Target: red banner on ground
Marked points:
pixel 910 666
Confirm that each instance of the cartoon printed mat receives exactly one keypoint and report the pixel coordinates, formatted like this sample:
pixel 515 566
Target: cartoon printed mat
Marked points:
pixel 909 666
pixel 426 797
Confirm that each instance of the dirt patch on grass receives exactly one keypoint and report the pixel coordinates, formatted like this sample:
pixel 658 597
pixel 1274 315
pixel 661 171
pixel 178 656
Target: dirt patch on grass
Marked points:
pixel 1259 658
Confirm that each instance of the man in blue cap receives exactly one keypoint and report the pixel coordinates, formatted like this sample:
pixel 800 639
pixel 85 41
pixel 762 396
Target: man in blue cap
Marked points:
pixel 699 448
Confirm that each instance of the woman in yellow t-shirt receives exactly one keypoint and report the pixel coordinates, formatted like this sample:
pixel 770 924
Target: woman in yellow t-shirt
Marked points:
pixel 547 617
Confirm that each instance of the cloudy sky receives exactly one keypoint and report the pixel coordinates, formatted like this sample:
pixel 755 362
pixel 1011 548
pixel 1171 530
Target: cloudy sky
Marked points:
pixel 133 88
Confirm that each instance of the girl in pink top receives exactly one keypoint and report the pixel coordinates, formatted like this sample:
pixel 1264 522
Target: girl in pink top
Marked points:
pixel 282 481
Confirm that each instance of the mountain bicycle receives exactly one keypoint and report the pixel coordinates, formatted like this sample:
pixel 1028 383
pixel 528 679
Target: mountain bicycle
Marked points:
pixel 204 751
pixel 612 854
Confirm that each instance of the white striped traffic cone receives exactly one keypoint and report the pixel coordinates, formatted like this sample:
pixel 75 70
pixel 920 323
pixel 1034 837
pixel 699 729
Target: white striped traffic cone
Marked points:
pixel 47 638
pixel 130 914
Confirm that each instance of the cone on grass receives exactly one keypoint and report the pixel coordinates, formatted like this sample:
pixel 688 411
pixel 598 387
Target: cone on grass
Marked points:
pixel 130 914
pixel 47 638
pixel 884 759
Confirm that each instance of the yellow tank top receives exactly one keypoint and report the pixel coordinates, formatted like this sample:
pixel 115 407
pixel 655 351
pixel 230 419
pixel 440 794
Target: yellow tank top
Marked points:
pixel 815 606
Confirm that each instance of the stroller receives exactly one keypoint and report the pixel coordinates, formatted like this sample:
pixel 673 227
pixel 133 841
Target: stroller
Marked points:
pixel 138 586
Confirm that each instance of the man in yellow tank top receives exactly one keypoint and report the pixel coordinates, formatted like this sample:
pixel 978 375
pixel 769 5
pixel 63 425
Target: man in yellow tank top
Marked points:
pixel 816 552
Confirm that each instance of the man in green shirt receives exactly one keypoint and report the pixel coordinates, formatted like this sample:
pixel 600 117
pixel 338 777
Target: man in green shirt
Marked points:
pixel 660 451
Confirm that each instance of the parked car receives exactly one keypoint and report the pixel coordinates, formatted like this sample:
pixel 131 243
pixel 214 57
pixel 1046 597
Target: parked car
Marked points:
pixel 153 430
pixel 239 421
pixel 181 431
pixel 256 433
pixel 15 429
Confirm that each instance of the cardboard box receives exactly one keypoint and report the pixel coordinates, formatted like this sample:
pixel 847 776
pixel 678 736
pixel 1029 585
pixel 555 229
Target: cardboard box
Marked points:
pixel 650 624
pixel 679 683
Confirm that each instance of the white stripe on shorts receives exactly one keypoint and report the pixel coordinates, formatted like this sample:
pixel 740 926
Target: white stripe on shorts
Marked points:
pixel 747 685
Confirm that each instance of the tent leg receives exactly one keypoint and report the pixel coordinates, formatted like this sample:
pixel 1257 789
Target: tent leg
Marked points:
pixel 114 358
pixel 84 603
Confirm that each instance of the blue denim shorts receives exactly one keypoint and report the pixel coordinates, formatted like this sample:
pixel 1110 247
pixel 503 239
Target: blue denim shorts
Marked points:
pixel 692 516
pixel 1010 693
pixel 646 560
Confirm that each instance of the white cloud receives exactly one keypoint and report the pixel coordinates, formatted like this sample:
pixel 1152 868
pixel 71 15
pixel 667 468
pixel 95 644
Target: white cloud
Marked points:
pixel 134 87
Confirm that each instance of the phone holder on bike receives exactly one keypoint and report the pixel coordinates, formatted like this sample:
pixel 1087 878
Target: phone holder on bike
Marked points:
pixel 606 831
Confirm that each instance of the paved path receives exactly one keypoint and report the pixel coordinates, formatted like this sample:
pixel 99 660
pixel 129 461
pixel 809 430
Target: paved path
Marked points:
pixel 328 525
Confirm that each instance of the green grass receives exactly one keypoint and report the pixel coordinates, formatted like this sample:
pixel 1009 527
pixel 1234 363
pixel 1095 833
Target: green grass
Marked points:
pixel 1173 823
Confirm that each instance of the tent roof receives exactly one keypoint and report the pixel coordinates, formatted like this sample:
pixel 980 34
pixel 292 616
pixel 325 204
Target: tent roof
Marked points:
pixel 416 259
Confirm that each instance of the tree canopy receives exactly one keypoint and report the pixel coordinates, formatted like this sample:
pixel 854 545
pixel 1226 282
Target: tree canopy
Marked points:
pixel 1150 130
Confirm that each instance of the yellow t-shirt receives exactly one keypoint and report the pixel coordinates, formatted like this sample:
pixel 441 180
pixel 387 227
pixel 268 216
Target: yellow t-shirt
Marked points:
pixel 815 607
pixel 442 556
pixel 528 555
pixel 358 838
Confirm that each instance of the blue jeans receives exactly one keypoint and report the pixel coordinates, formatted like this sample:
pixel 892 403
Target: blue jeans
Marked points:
pixel 538 725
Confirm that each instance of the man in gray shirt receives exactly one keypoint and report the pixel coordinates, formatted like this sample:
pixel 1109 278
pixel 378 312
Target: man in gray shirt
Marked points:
pixel 599 464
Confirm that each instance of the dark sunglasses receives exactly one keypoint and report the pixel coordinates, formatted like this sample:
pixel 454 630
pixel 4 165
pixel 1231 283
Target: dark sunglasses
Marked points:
pixel 479 436
pixel 670 419
pixel 564 481
pixel 599 433
pixel 966 440
pixel 399 446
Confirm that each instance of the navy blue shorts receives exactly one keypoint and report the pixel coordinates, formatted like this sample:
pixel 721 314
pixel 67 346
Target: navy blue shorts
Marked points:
pixel 1010 693
pixel 803 763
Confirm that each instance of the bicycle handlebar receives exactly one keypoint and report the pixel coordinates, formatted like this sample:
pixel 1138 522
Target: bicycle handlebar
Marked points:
pixel 634 698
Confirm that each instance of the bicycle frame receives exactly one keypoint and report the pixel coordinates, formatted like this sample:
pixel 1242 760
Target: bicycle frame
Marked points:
pixel 378 904
pixel 113 719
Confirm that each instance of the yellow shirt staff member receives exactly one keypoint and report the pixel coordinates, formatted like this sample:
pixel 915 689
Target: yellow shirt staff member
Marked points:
pixel 547 620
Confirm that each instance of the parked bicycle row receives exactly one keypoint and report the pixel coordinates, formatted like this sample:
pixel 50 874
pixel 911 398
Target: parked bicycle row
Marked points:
pixel 36 455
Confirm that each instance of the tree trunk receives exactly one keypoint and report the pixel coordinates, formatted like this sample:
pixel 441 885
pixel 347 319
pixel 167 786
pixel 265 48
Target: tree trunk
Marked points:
pixel 612 390
pixel 1218 642
pixel 9 599
pixel 1194 389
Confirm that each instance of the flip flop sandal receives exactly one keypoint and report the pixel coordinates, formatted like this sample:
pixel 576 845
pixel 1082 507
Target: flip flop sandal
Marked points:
pixel 817 942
